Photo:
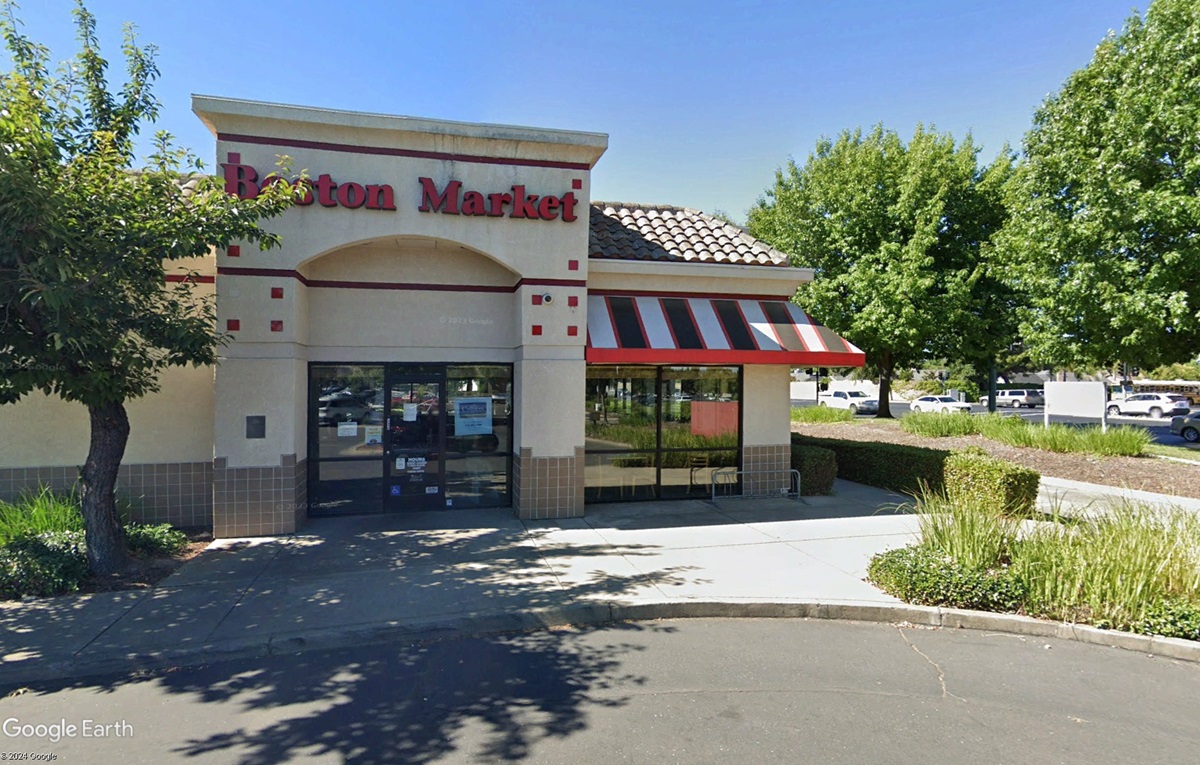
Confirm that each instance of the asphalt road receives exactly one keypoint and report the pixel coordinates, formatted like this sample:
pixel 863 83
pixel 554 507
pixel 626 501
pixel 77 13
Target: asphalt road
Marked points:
pixel 689 691
pixel 1159 428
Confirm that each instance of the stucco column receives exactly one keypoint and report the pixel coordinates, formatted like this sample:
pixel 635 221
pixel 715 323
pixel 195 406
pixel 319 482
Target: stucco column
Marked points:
pixel 766 430
pixel 549 382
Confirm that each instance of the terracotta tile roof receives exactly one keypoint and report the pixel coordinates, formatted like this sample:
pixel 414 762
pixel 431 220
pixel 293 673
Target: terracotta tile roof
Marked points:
pixel 621 231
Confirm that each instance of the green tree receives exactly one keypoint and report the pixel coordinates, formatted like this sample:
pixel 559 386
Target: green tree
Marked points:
pixel 895 234
pixel 86 313
pixel 1106 204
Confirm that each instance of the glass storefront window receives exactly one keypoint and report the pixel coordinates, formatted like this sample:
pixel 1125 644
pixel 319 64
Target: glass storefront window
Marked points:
pixel 349 416
pixel 619 477
pixel 665 428
pixel 347 487
pixel 621 408
pixel 448 441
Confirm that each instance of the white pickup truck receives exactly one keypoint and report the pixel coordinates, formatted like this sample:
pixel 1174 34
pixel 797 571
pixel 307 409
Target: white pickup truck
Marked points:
pixel 854 400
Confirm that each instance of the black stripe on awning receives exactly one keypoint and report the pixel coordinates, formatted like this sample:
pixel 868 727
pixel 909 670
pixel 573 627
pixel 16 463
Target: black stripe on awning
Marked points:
pixel 682 325
pixel 777 314
pixel 625 320
pixel 740 338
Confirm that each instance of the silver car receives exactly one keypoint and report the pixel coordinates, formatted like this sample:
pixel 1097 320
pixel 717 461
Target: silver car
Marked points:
pixel 1019 397
pixel 1187 426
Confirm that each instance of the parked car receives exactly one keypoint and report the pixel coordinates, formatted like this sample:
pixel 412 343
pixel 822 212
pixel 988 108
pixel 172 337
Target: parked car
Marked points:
pixel 1019 397
pixel 340 408
pixel 1187 426
pixel 1152 404
pixel 945 404
pixel 854 400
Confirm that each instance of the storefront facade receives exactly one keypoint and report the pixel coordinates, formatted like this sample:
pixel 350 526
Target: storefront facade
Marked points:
pixel 451 322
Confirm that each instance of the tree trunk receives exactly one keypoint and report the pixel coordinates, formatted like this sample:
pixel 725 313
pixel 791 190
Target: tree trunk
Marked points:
pixel 885 386
pixel 105 539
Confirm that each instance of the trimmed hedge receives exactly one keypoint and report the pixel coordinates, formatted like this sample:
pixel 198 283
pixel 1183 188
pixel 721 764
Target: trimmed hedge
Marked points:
pixel 818 468
pixel 896 467
pixel 974 476
pixel 51 563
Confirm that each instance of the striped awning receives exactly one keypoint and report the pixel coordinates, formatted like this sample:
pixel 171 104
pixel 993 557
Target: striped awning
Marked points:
pixel 661 329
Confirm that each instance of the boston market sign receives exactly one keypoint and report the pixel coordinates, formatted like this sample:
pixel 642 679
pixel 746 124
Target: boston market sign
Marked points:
pixel 245 182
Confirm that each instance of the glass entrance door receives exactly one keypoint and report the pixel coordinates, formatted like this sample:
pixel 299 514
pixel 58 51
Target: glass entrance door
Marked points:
pixel 414 446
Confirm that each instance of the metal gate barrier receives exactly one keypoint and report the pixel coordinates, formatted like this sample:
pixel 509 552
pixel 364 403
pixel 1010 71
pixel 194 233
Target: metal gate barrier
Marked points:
pixel 726 481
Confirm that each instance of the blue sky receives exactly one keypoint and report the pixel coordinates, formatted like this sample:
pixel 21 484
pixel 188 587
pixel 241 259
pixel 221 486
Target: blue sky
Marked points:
pixel 702 100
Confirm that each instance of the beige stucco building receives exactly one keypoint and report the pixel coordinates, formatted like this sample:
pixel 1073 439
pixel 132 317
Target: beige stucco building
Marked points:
pixel 451 321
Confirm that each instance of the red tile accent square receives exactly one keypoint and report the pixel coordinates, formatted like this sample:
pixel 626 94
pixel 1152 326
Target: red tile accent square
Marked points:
pixel 572 300
pixel 276 325
pixel 537 329
pixel 235 158
pixel 276 293
pixel 537 299
pixel 234 251
pixel 233 325
pixel 572 330
pixel 577 183
pixel 572 265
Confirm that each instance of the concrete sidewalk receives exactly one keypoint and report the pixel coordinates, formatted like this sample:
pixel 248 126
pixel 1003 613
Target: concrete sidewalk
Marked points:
pixel 346 581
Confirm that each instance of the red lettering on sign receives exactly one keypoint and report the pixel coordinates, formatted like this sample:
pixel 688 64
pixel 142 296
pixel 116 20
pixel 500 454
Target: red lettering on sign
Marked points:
pixel 352 195
pixel 496 204
pixel 548 208
pixel 473 204
pixel 380 197
pixel 568 206
pixel 240 180
pixel 524 206
pixel 325 189
pixel 431 200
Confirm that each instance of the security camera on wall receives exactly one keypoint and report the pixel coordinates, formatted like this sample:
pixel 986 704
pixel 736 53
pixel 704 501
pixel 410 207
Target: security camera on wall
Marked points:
pixel 547 298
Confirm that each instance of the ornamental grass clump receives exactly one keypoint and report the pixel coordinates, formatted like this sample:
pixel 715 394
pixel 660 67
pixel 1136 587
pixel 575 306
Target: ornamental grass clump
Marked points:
pixel 938 425
pixel 970 530
pixel 39 512
pixel 821 414
pixel 1114 569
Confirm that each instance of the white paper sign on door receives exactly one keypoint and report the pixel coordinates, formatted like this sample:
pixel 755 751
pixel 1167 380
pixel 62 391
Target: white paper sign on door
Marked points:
pixel 410 412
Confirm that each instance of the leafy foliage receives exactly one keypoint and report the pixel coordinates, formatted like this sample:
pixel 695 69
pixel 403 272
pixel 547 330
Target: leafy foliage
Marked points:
pixel 1105 207
pixel 896 235
pixel 50 563
pixel 929 577
pixel 86 311
pixel 155 540
pixel 818 469
pixel 37 512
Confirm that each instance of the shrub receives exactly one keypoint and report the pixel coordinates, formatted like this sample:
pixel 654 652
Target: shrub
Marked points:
pixel 821 414
pixel 39 512
pixel 929 577
pixel 1171 618
pixel 974 478
pixel 938 425
pixel 896 467
pixel 1119 441
pixel 818 469
pixel 51 563
pixel 149 541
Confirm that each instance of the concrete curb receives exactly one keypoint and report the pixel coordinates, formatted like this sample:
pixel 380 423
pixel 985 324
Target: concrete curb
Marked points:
pixel 593 614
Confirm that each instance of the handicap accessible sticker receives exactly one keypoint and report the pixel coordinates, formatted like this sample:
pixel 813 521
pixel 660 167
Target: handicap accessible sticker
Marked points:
pixel 395 491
